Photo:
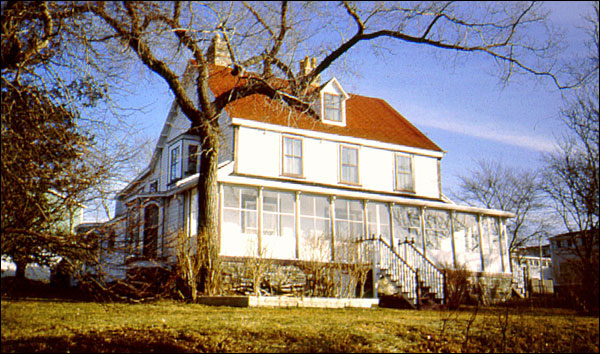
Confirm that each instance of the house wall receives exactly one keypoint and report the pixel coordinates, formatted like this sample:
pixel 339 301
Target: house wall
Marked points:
pixel 260 153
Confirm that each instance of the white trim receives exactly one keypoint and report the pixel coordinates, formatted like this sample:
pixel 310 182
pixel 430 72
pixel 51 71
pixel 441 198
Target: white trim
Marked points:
pixel 246 123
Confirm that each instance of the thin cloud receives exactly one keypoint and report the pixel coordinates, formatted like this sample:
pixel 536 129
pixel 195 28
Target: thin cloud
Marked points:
pixel 483 129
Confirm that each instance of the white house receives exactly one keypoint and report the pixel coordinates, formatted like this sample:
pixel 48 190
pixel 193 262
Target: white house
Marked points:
pixel 294 187
pixel 533 270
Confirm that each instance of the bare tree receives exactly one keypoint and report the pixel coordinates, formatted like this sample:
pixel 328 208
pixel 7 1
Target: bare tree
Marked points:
pixel 496 186
pixel 53 161
pixel 572 172
pixel 267 38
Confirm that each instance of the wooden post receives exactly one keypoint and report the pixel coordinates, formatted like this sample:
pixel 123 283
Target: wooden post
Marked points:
pixel 499 223
pixel 375 273
pixel 259 208
pixel 418 289
pixel 422 216
pixel 479 228
pixel 391 208
pixel 455 261
pixel 332 218
pixel 445 279
pixel 297 223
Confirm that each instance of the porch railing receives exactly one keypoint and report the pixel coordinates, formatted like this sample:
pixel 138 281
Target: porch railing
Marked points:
pixel 429 274
pixel 399 271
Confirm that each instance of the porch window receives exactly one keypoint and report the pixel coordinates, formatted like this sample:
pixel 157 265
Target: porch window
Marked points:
pixel 349 227
pixel 378 219
pixel 240 210
pixel 404 173
pixel 349 165
pixel 292 156
pixel 315 228
pixel 466 240
pixel 407 224
pixel 332 107
pixel 437 229
pixel 278 213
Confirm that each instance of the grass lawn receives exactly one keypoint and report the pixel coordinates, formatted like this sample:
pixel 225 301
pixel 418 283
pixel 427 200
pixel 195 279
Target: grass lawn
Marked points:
pixel 47 325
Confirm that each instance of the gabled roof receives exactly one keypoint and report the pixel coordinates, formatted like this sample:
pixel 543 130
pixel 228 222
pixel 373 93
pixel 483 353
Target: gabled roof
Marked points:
pixel 366 117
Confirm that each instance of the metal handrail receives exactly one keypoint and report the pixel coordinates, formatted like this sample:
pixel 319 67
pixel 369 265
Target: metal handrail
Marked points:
pixel 430 274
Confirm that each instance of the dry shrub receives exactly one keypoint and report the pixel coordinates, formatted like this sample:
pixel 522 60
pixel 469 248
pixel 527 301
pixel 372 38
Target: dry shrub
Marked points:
pixel 457 285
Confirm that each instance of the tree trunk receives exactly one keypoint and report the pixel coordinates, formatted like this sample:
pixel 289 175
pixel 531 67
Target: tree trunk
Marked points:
pixel 20 271
pixel 208 236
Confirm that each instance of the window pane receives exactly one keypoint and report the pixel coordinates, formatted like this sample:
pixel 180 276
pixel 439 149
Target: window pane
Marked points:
pixel 231 197
pixel 287 201
pixel 269 201
pixel 341 209
pixel 407 224
pixel 307 205
pixel 355 210
pixel 322 207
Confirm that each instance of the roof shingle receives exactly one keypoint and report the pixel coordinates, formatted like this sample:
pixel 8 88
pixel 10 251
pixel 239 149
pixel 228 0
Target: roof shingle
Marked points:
pixel 366 117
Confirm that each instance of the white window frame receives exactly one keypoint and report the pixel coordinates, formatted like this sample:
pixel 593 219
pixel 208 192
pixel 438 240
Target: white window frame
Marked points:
pixel 175 166
pixel 397 172
pixel 340 109
pixel 285 155
pixel 276 214
pixel 342 164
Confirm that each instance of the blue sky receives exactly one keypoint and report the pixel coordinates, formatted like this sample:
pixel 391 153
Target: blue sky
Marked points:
pixel 459 104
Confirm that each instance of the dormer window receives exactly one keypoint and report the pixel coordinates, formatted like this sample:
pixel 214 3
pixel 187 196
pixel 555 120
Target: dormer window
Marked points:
pixel 333 103
pixel 332 107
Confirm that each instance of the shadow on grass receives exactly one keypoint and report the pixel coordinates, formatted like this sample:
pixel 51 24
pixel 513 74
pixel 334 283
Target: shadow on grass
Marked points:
pixel 132 340
pixel 115 341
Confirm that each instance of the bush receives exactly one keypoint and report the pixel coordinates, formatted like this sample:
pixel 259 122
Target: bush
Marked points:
pixel 457 285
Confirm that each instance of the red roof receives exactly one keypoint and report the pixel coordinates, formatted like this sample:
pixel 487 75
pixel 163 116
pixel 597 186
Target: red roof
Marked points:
pixel 366 117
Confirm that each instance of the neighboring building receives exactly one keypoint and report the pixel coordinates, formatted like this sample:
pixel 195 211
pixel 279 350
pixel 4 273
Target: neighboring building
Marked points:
pixel 532 270
pixel 293 187
pixel 565 259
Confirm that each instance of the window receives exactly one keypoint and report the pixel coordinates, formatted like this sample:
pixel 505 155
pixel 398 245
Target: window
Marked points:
pixel 153 186
pixel 192 159
pixel 332 107
pixel 278 213
pixel 437 228
pixel 292 156
pixel 404 175
pixel 349 165
pixel 378 219
pixel 315 227
pixel 175 165
pixel 348 219
pixel 241 209
pixel 407 224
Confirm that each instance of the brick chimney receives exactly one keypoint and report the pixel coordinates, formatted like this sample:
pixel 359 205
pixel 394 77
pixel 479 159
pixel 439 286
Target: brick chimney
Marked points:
pixel 306 66
pixel 217 52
